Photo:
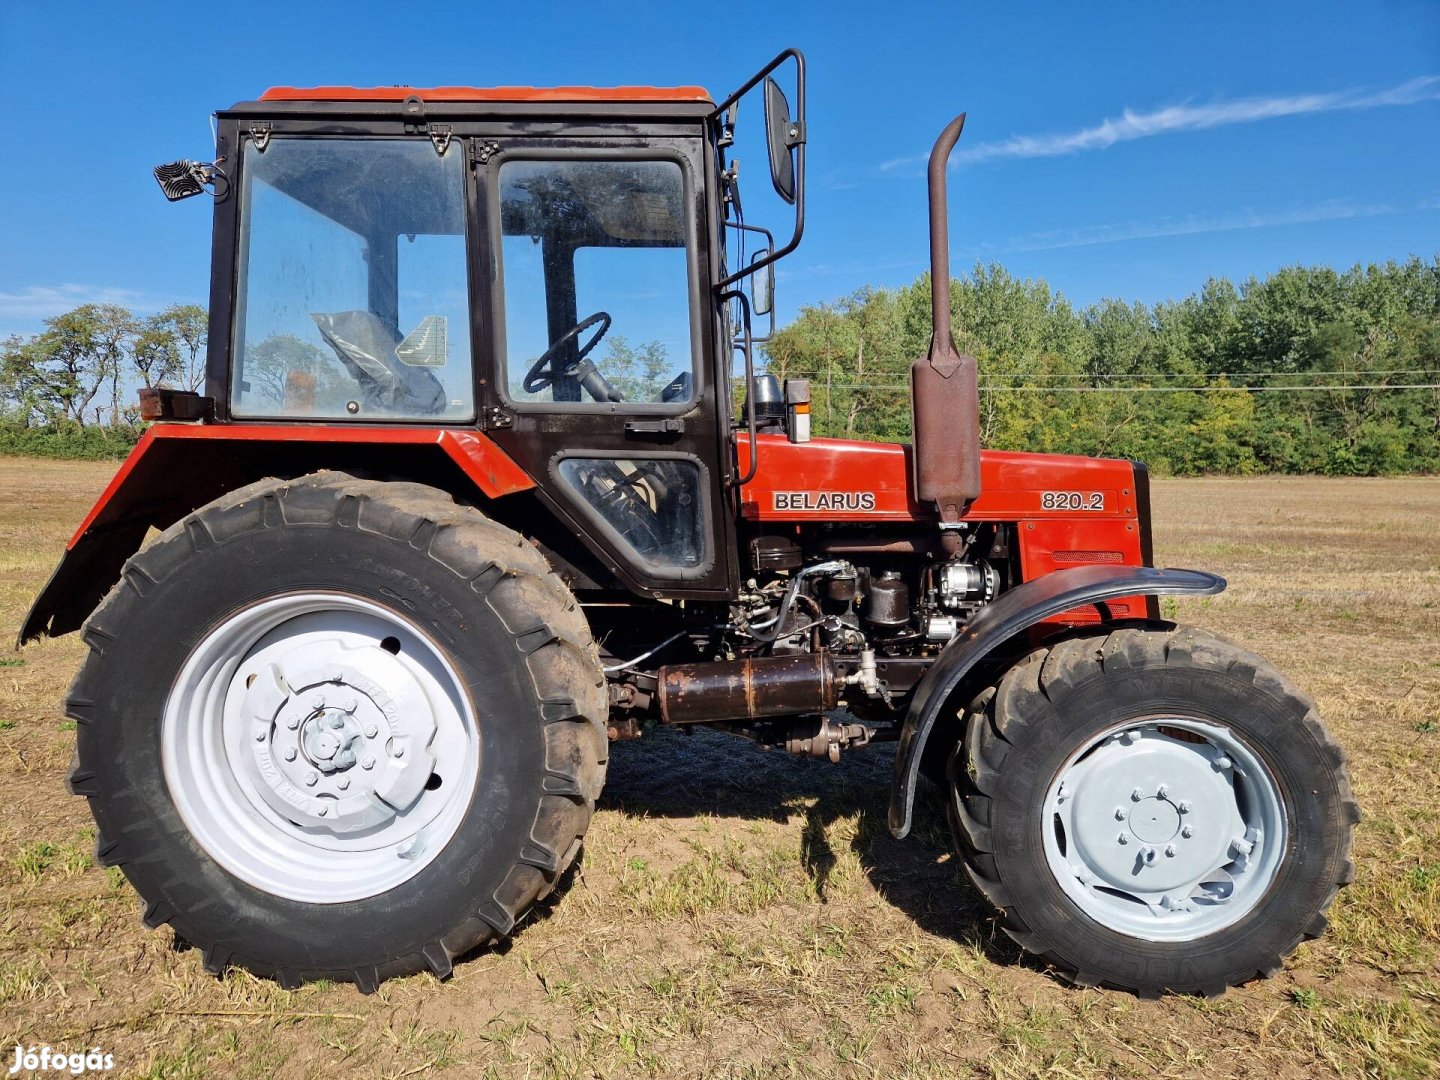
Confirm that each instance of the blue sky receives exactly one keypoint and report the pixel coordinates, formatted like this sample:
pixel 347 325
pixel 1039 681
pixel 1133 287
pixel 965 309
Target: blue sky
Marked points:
pixel 1126 150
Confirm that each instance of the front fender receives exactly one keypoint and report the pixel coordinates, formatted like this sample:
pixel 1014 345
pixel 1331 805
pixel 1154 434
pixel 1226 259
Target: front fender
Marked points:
pixel 176 468
pixel 1016 610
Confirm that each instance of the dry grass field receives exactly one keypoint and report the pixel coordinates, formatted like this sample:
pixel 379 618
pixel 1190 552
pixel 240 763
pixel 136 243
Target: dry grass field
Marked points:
pixel 743 914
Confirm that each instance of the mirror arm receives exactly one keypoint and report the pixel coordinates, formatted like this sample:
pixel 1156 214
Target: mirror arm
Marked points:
pixel 755 80
pixel 770 244
pixel 776 254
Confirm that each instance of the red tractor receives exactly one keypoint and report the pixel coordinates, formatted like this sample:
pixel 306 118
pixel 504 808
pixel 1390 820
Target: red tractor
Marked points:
pixel 423 553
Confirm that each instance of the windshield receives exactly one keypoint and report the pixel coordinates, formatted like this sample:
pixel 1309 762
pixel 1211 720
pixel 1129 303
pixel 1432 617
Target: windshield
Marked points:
pixel 352 296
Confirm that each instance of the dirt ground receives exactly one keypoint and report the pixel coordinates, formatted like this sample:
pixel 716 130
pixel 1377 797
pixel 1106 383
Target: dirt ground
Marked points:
pixel 744 914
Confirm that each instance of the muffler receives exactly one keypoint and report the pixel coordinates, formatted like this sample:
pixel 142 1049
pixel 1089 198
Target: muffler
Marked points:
pixel 747 689
pixel 944 390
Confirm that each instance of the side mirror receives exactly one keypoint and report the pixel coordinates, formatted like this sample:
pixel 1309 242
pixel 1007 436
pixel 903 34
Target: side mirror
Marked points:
pixel 762 284
pixel 782 134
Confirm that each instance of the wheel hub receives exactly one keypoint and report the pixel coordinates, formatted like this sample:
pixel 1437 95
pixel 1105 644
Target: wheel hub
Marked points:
pixel 1154 821
pixel 1147 851
pixel 330 737
pixel 332 748
pixel 1156 824
pixel 320 747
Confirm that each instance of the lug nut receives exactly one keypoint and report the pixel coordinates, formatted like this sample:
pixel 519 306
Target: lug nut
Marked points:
pixel 1119 813
pixel 1187 832
pixel 323 811
pixel 367 762
pixel 1184 806
pixel 293 723
pixel 371 731
pixel 1162 791
pixel 317 702
pixel 1169 851
pixel 260 736
pixel 1124 839
pixel 290 753
pixel 344 785
pixel 1136 795
pixel 311 779
pixel 351 705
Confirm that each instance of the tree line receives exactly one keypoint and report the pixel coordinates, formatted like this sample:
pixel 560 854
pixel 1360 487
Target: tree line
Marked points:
pixel 70 390
pixel 1308 370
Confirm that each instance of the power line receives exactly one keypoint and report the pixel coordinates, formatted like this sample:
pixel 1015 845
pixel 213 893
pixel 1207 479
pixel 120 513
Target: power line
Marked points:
pixel 1215 375
pixel 1158 389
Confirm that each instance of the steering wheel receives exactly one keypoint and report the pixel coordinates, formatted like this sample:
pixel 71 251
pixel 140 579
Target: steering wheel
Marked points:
pixel 542 373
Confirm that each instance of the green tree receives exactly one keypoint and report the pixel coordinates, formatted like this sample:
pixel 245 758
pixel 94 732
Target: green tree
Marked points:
pixel 1325 357
pixel 187 326
pixel 640 374
pixel 65 367
pixel 154 355
pixel 270 364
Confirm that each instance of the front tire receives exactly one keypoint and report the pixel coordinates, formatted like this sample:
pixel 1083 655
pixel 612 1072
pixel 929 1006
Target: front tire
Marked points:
pixel 1152 810
pixel 337 728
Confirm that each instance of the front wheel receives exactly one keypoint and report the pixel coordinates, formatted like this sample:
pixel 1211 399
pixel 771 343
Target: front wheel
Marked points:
pixel 1152 810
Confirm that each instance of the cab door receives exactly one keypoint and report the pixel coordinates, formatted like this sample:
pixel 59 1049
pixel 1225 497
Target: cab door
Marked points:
pixel 600 384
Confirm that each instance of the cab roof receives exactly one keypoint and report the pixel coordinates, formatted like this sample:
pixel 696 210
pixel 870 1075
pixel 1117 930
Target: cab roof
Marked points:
pixel 490 93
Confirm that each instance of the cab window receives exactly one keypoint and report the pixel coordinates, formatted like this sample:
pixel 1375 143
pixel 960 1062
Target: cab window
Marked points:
pixel 596 278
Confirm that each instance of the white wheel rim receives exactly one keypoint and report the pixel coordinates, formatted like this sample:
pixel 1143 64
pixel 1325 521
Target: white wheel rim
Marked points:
pixel 320 747
pixel 1166 829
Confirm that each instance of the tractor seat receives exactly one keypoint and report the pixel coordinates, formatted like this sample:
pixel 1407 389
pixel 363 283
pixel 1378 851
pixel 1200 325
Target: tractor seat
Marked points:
pixel 366 348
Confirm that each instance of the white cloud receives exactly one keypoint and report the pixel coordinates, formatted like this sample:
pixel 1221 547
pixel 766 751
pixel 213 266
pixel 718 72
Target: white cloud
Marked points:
pixel 37 302
pixel 1190 225
pixel 1131 125
pixel 1121 231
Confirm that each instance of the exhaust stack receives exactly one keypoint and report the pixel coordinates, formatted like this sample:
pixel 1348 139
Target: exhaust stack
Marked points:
pixel 944 392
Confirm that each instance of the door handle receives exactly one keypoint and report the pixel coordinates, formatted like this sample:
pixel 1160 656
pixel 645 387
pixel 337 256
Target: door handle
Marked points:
pixel 671 426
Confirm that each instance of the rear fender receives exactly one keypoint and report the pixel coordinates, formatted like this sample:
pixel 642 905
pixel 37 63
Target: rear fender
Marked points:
pixel 177 468
pixel 1016 610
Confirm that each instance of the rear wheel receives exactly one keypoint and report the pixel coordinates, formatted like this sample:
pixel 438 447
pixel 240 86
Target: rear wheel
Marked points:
pixel 1152 810
pixel 335 728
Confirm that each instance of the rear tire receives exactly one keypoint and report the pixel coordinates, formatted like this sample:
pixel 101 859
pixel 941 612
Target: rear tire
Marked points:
pixel 1152 810
pixel 338 728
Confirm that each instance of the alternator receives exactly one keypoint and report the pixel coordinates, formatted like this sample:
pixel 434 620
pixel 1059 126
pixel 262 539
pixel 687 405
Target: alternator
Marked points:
pixel 967 585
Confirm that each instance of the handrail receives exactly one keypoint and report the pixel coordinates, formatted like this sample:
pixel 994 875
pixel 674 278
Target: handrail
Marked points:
pixel 749 351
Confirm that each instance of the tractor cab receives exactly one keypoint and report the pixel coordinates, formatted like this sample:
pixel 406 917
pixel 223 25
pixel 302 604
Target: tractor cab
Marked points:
pixel 547 266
